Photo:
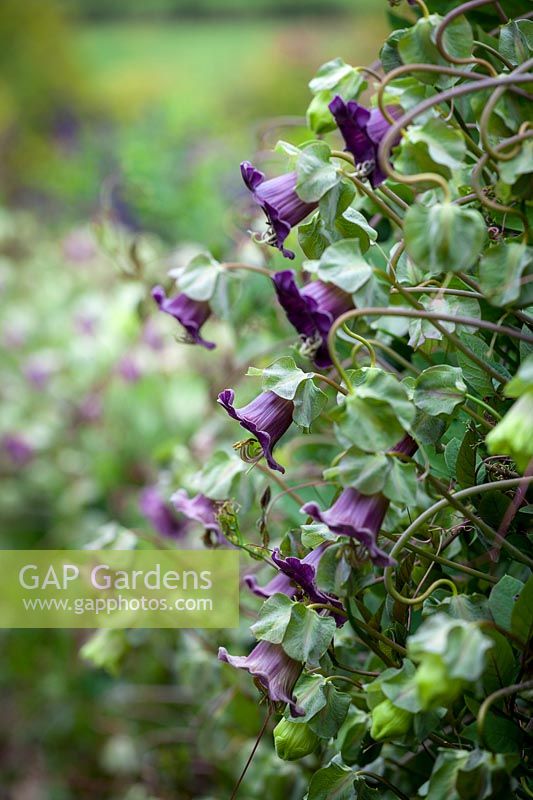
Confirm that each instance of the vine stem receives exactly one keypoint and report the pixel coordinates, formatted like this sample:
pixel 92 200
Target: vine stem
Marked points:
pixel 489 108
pixel 330 381
pixel 380 779
pixel 363 342
pixel 378 311
pixel 439 35
pixel 281 483
pixel 446 562
pixel 250 267
pixel 439 290
pixel 329 678
pixel 477 521
pixel 252 754
pixel 364 189
pixel 438 506
pixel 390 138
pixel 484 405
pixel 507 691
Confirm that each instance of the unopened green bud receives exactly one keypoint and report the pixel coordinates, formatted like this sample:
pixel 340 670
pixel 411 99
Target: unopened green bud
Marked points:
pixel 294 740
pixel 512 436
pixel 435 686
pixel 389 722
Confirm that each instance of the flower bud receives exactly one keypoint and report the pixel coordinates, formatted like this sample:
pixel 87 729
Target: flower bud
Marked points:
pixel 293 740
pixel 512 435
pixel 389 722
pixel 435 687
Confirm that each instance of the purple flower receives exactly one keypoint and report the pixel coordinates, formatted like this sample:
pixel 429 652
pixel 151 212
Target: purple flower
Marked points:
pixel 356 515
pixel 267 418
pixel 304 574
pixel 275 672
pixel 360 516
pixel 191 314
pixel 18 449
pixel 280 202
pixel 282 583
pixel 362 130
pixel 312 311
pixel 156 510
pixel 38 373
pixel 200 509
pixel 128 369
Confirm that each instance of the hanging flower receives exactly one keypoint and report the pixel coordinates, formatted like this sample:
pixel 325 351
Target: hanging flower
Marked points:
pixel 362 130
pixel 191 314
pixel 267 418
pixel 156 510
pixel 275 673
pixel 280 202
pixel 360 516
pixel 283 582
pixel 199 509
pixel 312 311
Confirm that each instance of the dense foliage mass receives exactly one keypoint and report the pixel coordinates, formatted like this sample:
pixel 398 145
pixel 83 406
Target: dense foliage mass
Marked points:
pixel 373 350
pixel 393 637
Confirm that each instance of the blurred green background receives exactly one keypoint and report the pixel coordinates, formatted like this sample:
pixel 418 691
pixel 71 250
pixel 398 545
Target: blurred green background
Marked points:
pixel 122 125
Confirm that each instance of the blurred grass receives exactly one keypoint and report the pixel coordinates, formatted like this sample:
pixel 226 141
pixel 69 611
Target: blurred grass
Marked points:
pixel 190 69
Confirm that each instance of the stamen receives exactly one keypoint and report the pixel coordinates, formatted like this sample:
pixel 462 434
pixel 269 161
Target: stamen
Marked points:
pixel 310 345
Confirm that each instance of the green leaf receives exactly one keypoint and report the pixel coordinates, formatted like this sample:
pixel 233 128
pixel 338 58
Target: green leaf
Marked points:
pixel 522 164
pixel 460 644
pixel 334 77
pixel 283 377
pixel 439 390
pixel 366 472
pixel 422 329
pixel 316 174
pixel 310 696
pixel 344 265
pixel 397 685
pixel 219 476
pixel 401 484
pixel 274 617
pixel 331 74
pixel 474 376
pixel 199 279
pixel 334 782
pixel 502 600
pixel 317 234
pixel 368 424
pixel 309 402
pixel 376 384
pixel 516 41
pixel 465 466
pixel 444 238
pixel 522 614
pixel 329 719
pixel 389 55
pixel 522 381
pixel 505 274
pixel 308 635
pixel 441 785
pixel 319 117
pixel 352 733
pixel 417 45
pixel 501 665
pixel 445 145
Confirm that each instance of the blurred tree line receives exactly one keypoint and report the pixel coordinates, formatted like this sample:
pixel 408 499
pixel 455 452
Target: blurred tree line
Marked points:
pixel 108 9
